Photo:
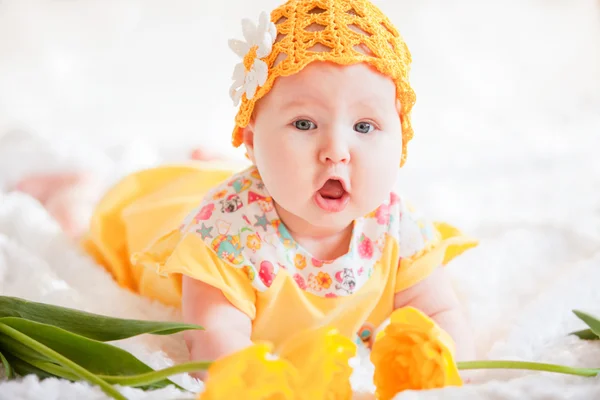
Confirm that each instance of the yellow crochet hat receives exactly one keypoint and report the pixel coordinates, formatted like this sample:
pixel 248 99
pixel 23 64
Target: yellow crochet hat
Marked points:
pixel 302 31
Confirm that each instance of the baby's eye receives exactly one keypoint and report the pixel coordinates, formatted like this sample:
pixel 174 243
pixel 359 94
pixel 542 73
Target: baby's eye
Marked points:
pixel 364 127
pixel 304 125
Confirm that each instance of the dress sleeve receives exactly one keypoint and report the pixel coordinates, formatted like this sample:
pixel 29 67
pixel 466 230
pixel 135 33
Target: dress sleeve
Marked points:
pixel 185 253
pixel 424 246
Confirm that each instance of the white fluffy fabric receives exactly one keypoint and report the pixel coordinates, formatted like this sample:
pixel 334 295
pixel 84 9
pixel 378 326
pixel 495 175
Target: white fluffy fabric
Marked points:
pixel 506 148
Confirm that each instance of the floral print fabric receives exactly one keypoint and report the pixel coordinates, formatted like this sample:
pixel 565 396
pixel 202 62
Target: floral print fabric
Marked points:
pixel 238 221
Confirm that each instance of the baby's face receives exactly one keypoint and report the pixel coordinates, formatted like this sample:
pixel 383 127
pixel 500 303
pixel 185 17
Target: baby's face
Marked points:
pixel 327 142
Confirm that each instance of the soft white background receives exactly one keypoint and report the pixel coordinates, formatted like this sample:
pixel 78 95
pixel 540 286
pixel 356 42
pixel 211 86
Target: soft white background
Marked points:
pixel 109 70
pixel 507 140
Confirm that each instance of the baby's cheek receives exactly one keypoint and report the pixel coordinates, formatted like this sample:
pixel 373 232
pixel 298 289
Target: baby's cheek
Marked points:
pixel 277 161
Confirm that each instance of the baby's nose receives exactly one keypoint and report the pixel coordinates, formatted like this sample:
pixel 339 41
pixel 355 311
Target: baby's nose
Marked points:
pixel 335 151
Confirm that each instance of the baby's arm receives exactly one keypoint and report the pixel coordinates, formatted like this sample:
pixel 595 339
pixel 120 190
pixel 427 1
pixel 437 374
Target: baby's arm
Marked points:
pixel 227 329
pixel 435 297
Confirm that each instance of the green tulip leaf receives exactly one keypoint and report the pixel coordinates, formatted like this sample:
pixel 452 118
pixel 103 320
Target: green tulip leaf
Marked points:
pixel 23 368
pixel 592 322
pixel 13 348
pixel 51 354
pixel 91 326
pixel 586 334
pixel 96 357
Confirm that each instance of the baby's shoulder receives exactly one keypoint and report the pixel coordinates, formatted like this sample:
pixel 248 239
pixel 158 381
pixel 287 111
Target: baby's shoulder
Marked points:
pixel 238 222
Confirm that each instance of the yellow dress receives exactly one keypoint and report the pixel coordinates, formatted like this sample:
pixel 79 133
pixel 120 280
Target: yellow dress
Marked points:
pixel 218 225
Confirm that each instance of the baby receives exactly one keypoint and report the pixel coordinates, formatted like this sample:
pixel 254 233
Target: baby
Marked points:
pixel 316 230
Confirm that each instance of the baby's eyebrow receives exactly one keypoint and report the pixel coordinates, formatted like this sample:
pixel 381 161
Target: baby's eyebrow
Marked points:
pixel 300 102
pixel 369 99
pixel 372 103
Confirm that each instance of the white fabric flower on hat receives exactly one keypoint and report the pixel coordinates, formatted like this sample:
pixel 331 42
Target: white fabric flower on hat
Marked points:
pixel 252 72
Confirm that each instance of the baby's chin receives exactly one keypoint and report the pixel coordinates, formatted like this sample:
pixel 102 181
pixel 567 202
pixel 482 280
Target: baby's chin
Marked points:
pixel 334 222
pixel 310 219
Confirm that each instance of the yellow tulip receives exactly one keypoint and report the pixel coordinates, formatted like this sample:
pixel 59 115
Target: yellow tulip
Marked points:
pixel 314 364
pixel 412 353
pixel 251 374
pixel 321 358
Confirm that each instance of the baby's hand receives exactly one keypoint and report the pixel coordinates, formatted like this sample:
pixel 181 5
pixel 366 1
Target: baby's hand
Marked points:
pixel 226 329
pixel 435 297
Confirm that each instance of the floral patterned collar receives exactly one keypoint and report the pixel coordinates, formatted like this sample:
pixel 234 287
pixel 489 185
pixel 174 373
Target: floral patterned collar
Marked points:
pixel 239 222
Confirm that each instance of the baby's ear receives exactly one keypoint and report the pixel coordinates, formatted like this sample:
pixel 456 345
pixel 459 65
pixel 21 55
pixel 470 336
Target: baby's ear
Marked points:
pixel 398 106
pixel 249 140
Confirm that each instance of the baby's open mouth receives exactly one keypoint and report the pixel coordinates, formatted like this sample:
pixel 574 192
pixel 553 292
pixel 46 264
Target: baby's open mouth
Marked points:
pixel 332 189
pixel 332 197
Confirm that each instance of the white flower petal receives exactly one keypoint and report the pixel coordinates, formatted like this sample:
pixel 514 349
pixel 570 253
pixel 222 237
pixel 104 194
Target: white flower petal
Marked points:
pixel 236 95
pixel 249 31
pixel 251 89
pixel 263 36
pixel 272 31
pixel 239 73
pixel 260 71
pixel 239 47
pixel 232 90
pixel 250 78
pixel 263 20
pixel 265 46
pixel 236 85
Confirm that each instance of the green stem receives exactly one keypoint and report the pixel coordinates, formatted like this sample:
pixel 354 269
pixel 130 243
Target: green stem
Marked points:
pixel 147 378
pixel 60 359
pixel 525 365
pixel 155 376
pixel 55 369
pixel 8 371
